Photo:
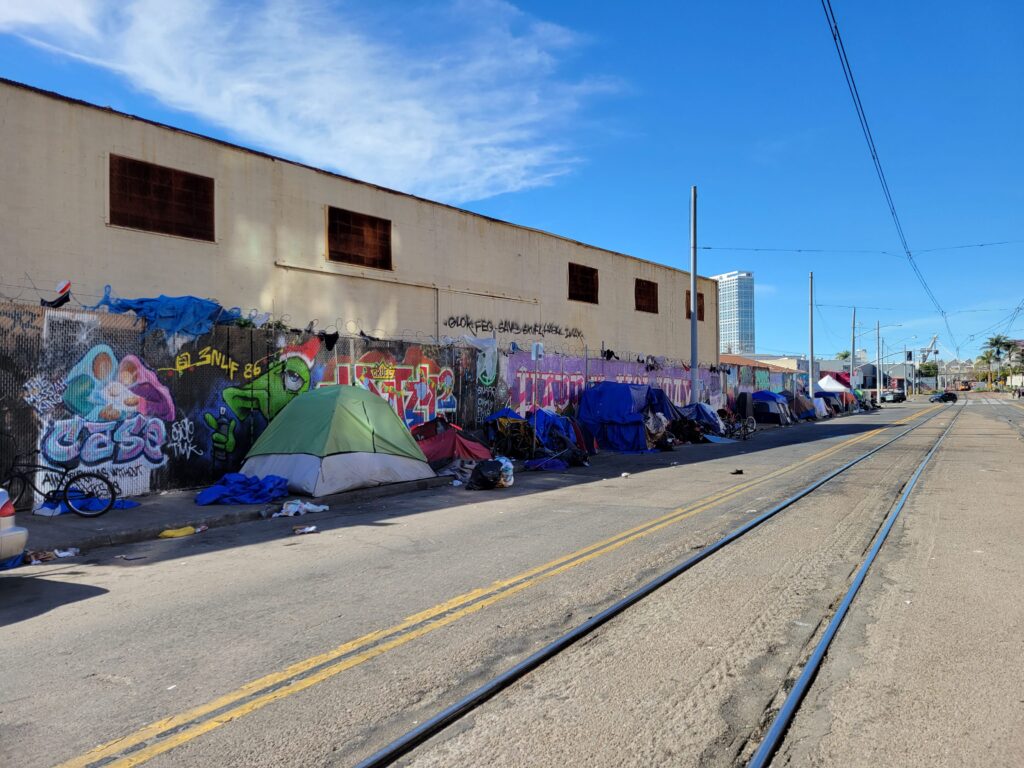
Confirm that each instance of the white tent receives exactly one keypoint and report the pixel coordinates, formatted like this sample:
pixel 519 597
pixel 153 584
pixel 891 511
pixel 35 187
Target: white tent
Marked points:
pixel 819 408
pixel 829 384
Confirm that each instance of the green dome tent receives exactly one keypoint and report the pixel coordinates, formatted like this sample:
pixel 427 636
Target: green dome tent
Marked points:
pixel 335 439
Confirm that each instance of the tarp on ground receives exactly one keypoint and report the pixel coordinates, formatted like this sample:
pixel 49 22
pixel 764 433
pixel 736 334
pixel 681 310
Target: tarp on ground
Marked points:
pixel 704 415
pixel 335 439
pixel 237 488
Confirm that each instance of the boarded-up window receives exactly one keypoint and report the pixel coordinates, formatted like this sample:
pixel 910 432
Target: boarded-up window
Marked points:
pixel 646 296
pixel 582 283
pixel 700 306
pixel 355 238
pixel 155 198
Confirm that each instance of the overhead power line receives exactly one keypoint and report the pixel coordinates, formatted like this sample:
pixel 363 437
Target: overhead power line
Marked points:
pixel 826 6
pixel 855 250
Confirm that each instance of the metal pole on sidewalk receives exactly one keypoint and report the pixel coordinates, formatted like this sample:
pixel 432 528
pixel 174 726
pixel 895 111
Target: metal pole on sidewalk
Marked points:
pixel 878 361
pixel 810 339
pixel 853 347
pixel 694 374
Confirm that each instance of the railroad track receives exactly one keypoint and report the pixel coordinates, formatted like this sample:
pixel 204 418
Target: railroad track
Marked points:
pixel 452 714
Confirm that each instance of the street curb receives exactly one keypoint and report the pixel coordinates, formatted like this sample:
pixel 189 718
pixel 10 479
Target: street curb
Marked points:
pixel 258 512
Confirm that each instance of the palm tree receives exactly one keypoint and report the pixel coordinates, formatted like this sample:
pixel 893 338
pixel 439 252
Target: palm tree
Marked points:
pixel 844 355
pixel 985 360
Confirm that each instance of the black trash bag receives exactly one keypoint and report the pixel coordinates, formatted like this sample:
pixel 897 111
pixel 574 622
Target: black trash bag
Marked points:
pixel 486 475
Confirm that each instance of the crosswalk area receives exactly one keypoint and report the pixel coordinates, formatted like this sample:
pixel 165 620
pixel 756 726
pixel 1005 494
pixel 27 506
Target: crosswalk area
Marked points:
pixel 994 401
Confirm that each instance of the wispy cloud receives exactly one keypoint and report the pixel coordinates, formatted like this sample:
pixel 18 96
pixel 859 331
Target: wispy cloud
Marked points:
pixel 765 289
pixel 464 101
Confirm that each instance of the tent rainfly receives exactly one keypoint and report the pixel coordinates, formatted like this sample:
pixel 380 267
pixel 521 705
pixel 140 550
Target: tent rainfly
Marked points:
pixel 335 439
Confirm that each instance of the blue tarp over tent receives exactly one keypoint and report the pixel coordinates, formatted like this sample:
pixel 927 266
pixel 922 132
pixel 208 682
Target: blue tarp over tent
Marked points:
pixel 769 397
pixel 504 413
pixel 613 414
pixel 705 415
pixel 545 422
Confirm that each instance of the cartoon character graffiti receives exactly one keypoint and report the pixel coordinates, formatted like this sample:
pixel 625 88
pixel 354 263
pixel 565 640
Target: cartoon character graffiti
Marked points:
pixel 119 411
pixel 267 394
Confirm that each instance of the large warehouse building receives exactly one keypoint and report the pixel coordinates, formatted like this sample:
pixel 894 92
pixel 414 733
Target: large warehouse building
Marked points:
pixel 100 197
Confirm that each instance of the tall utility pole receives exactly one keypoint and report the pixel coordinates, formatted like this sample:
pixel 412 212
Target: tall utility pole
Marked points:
pixel 694 373
pixel 878 361
pixel 810 339
pixel 853 347
pixel 906 378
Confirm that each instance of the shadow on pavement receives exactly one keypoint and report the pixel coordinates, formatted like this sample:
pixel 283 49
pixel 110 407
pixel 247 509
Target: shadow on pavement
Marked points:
pixel 27 595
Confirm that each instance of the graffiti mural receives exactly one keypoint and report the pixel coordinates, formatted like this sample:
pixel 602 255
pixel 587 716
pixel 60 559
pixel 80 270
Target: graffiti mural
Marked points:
pixel 416 387
pixel 283 380
pixel 557 381
pixel 112 416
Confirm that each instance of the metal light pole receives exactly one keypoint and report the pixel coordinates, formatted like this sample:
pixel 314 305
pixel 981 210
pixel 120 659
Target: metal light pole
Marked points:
pixel 853 347
pixel 694 375
pixel 810 340
pixel 878 361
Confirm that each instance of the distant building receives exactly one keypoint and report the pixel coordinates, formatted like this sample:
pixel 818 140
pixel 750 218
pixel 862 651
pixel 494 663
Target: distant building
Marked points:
pixel 736 312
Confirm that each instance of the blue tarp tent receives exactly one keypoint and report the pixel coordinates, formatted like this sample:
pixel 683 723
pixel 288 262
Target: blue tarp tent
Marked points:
pixel 614 413
pixel 504 413
pixel 545 423
pixel 769 397
pixel 704 415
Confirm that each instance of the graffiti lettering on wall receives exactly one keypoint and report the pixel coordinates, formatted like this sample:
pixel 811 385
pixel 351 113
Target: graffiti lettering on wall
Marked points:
pixel 182 444
pixel 43 395
pixel 478 325
pixel 557 381
pixel 117 414
pixel 208 356
pixel 283 380
pixel 417 387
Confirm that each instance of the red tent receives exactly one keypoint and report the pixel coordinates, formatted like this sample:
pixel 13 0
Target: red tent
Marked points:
pixel 452 444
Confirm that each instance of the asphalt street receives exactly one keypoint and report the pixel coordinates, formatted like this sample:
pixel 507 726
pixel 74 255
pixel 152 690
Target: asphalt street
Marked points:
pixel 247 646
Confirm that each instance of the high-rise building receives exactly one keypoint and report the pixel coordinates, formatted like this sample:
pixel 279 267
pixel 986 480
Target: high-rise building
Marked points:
pixel 736 312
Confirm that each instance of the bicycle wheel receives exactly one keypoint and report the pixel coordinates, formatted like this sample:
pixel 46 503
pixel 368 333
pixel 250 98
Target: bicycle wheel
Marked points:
pixel 750 425
pixel 89 494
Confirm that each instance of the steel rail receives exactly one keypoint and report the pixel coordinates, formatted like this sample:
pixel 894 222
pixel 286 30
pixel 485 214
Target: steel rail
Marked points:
pixel 437 723
pixel 784 716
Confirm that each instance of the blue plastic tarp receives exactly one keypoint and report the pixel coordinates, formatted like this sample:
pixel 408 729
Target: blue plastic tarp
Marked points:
pixel 236 488
pixel 84 504
pixel 704 415
pixel 545 423
pixel 612 413
pixel 504 413
pixel 174 315
pixel 769 397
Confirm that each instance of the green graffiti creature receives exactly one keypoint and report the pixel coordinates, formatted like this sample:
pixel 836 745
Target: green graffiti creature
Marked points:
pixel 268 394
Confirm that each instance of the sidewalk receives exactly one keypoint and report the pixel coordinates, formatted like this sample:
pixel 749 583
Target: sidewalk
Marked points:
pixel 176 509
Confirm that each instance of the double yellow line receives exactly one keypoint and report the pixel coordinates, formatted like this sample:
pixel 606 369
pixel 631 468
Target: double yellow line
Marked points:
pixel 168 733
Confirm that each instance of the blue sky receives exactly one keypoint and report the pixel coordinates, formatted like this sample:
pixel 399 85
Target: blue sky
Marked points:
pixel 592 120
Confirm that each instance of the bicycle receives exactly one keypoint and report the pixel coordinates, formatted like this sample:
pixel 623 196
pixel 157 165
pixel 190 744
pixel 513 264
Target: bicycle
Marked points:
pixel 88 494
pixel 739 428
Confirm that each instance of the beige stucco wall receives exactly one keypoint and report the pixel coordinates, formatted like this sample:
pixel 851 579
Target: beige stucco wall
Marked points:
pixel 270 243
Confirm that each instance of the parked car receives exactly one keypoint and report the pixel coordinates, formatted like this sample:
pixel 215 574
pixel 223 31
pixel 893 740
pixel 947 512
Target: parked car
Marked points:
pixel 943 397
pixel 893 396
pixel 12 537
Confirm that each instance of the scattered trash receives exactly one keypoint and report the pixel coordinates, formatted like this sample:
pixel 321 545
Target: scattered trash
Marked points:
pixel 456 483
pixel 39 556
pixel 297 507
pixel 486 475
pixel 507 477
pixel 69 552
pixel 736 472
pixel 624 474
pixel 130 557
pixel 171 687
pixel 298 530
pixel 177 533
